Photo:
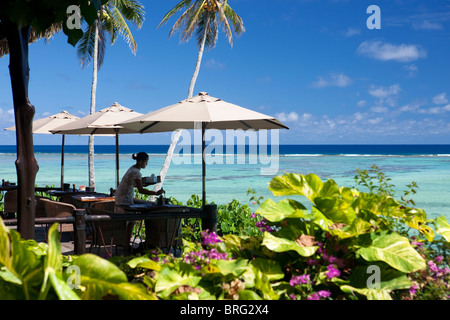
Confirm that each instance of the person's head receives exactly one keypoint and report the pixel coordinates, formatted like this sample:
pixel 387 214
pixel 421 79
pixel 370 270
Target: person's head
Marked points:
pixel 141 159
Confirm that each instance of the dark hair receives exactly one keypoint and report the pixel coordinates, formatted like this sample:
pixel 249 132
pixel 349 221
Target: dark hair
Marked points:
pixel 140 156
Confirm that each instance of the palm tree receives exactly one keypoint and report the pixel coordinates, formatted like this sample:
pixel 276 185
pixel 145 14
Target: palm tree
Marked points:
pixel 203 16
pixel 92 46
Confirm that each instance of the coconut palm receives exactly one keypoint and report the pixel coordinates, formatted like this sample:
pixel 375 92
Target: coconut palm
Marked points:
pixel 204 17
pixel 92 46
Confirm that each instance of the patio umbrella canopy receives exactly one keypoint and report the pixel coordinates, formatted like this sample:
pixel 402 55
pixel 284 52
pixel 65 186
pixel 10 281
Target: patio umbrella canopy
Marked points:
pixel 212 113
pixel 44 125
pixel 103 122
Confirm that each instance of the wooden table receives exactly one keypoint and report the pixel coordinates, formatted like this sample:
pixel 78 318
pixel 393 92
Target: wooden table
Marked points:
pixel 84 201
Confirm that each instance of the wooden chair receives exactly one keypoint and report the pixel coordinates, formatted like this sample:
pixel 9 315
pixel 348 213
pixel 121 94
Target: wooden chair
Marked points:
pixel 10 204
pixel 109 233
pixel 59 209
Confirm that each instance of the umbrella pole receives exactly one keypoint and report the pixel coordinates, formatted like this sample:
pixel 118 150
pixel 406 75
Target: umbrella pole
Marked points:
pixel 62 161
pixel 117 157
pixel 203 165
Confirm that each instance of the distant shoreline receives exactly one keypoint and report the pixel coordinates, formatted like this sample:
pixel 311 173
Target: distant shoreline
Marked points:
pixel 286 149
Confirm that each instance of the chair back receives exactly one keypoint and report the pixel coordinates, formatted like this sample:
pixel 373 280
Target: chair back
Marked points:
pixel 108 232
pixel 10 201
pixel 59 209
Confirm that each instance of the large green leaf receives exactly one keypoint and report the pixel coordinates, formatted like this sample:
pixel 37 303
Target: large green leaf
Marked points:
pixel 53 269
pixel 172 276
pixel 18 265
pixel 443 227
pixel 270 268
pixel 100 278
pixel 336 209
pixel 144 262
pixel 395 250
pixel 282 245
pixel 278 211
pixel 296 184
pixel 371 294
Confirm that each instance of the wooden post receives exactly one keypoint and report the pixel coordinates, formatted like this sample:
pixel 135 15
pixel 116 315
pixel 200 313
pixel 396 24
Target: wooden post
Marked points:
pixel 80 231
pixel 26 164
pixel 210 222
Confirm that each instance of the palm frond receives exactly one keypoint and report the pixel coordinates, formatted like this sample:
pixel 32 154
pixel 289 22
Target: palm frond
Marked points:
pixel 108 25
pixel 122 27
pixel 182 4
pixel 184 19
pixel 236 20
pixel 197 15
pixel 85 47
pixel 193 18
pixel 223 19
pixel 131 10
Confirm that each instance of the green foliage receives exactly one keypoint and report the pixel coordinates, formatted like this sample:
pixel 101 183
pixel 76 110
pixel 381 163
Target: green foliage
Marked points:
pixel 349 245
pixel 38 271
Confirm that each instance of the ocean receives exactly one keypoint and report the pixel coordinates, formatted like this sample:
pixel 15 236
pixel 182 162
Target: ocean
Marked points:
pixel 230 172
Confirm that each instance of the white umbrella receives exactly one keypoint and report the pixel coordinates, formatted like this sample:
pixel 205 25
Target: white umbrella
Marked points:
pixel 212 113
pixel 44 125
pixel 102 122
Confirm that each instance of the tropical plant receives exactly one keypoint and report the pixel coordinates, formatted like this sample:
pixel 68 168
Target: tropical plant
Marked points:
pixel 92 46
pixel 30 271
pixel 203 17
pixel 18 18
pixel 344 247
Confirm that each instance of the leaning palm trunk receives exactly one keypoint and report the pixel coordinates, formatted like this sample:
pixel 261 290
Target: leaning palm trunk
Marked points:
pixel 93 95
pixel 176 135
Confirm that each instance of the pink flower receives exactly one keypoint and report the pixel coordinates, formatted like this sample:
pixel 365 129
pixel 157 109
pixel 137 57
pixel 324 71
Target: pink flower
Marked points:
pixel 432 266
pixel 324 293
pixel 312 262
pixel 303 279
pixel 209 238
pixel 413 290
pixel 438 259
pixel 332 272
pixel 313 296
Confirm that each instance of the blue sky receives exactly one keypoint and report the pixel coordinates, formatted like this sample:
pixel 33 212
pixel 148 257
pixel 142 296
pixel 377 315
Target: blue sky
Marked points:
pixel 313 64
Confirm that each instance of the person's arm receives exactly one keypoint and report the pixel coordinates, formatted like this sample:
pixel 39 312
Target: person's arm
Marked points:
pixel 142 190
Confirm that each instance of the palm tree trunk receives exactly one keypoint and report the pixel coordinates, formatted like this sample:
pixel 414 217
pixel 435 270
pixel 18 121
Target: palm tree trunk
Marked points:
pixel 93 95
pixel 26 164
pixel 177 134
pixel 199 58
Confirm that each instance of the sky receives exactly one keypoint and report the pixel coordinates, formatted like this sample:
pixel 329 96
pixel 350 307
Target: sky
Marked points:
pixel 318 66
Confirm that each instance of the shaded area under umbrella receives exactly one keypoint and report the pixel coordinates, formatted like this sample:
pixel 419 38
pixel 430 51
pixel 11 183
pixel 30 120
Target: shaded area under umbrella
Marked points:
pixel 211 112
pixel 103 122
pixel 45 125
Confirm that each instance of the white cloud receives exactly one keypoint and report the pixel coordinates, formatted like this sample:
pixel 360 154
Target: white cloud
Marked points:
pixel 412 69
pixel 287 117
pixel 441 98
pixel 7 117
pixel 332 80
pixel 384 92
pixel 390 52
pixel 361 103
pixel 427 25
pixel 352 32
pixel 379 109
